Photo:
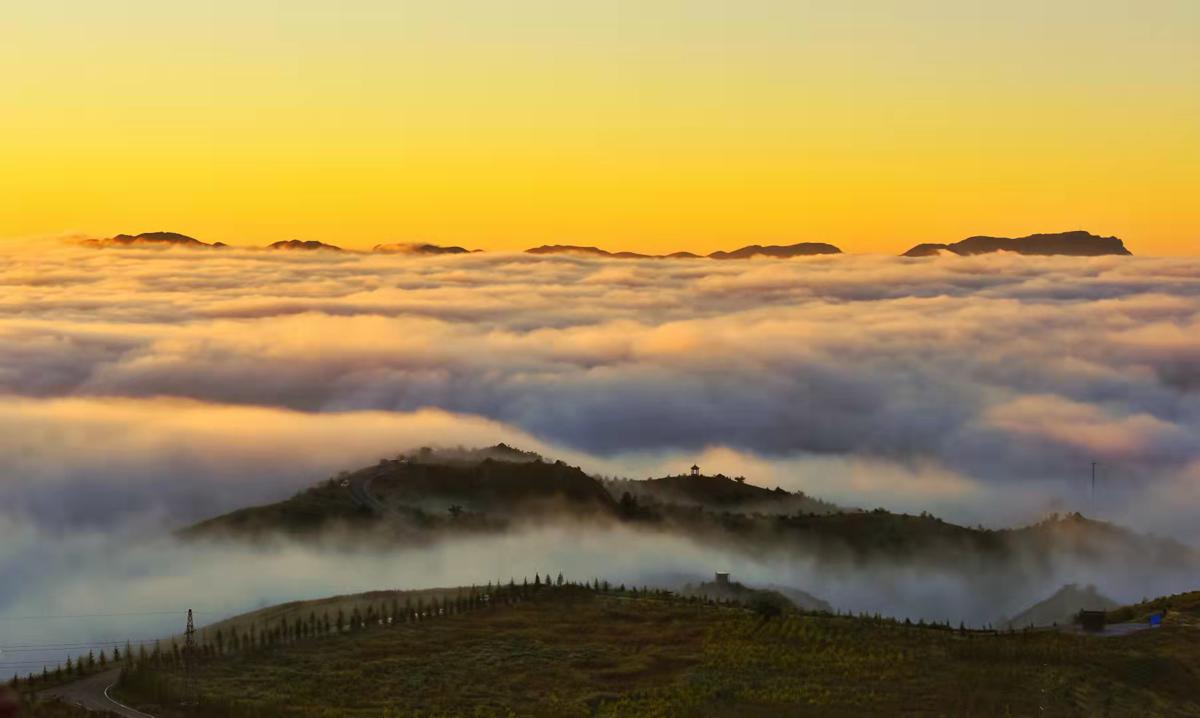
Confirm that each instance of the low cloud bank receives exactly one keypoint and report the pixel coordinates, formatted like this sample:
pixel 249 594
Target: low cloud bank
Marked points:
pixel 64 592
pixel 982 387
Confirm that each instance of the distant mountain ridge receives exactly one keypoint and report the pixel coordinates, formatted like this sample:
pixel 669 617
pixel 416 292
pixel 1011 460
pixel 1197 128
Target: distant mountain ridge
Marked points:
pixel 150 239
pixel 418 248
pixel 802 249
pixel 1076 244
pixel 303 245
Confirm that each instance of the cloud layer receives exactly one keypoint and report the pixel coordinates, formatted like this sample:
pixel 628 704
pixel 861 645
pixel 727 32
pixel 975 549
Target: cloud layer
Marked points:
pixel 938 380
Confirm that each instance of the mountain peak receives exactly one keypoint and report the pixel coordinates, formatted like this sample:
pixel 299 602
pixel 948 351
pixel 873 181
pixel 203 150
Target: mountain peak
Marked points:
pixel 1077 243
pixel 303 245
pixel 417 248
pixel 149 239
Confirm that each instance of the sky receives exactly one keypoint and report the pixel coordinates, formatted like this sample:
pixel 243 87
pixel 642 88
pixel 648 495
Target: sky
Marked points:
pixel 651 126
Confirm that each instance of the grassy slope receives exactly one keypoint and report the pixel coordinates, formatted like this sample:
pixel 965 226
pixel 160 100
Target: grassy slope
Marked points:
pixel 568 652
pixel 1181 609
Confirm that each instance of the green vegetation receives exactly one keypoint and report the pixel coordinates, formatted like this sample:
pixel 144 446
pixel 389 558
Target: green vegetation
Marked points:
pixel 557 649
pixel 59 709
pixel 436 495
pixel 30 706
pixel 715 493
pixel 1179 609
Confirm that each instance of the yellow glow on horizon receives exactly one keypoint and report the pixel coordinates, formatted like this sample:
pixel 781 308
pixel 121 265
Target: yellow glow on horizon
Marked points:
pixel 652 126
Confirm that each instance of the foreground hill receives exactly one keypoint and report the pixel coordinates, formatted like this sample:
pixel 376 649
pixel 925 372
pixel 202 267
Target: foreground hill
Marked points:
pixel 593 650
pixel 1077 243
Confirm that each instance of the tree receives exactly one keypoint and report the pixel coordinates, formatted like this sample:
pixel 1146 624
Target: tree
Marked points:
pixel 560 578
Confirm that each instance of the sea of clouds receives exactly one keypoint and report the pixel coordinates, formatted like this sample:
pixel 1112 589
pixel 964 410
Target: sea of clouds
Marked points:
pixel 144 389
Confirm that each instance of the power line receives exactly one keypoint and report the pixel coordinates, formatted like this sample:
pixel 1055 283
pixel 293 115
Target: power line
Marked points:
pixel 97 615
pixel 28 647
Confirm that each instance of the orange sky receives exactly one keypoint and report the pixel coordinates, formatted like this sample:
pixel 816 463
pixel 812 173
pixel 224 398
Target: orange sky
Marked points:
pixel 697 124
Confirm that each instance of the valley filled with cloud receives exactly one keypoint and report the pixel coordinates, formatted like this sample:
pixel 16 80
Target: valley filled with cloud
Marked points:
pixel 142 390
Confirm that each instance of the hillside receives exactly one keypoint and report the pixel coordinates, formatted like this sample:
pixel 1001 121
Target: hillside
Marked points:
pixel 1180 609
pixel 726 590
pixel 553 650
pixel 1077 243
pixel 717 493
pixel 429 496
pixel 424 494
pixel 1061 608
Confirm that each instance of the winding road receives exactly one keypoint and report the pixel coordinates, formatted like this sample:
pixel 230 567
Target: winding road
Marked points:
pixel 92 693
pixel 360 493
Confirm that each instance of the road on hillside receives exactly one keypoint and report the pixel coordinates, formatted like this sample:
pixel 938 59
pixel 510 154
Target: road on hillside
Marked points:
pixel 360 493
pixel 92 693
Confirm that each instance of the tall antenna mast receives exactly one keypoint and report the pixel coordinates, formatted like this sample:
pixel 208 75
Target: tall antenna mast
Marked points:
pixel 189 656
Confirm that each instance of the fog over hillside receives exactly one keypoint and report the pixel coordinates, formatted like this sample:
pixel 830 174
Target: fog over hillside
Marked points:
pixel 141 390
pixel 979 388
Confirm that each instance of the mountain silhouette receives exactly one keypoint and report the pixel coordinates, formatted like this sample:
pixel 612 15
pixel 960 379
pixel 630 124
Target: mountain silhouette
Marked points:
pixel 754 250
pixel 149 239
pixel 303 245
pixel 587 251
pixel 1077 244
pixel 803 249
pixel 417 248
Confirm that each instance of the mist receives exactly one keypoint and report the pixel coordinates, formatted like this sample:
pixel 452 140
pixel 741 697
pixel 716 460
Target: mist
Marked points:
pixel 143 390
pixel 68 593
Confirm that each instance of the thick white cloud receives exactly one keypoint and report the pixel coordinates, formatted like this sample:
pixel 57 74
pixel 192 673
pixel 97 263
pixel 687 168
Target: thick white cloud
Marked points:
pixel 979 387
pixel 141 390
